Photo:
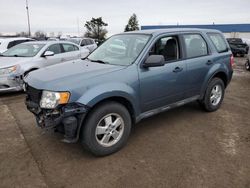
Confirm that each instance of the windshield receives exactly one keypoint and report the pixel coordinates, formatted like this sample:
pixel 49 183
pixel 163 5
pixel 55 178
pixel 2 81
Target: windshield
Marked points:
pixel 120 49
pixel 23 50
pixel 75 40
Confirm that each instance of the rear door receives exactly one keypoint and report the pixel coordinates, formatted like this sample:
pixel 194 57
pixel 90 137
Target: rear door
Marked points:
pixel 198 61
pixel 70 52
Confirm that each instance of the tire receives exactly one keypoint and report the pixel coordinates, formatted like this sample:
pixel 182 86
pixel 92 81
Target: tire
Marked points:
pixel 214 95
pixel 99 132
pixel 247 65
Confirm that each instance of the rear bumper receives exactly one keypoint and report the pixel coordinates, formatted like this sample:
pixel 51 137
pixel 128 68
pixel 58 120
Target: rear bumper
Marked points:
pixel 67 119
pixel 10 83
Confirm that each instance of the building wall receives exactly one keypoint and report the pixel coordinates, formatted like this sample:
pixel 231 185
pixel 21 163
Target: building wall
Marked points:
pixel 245 35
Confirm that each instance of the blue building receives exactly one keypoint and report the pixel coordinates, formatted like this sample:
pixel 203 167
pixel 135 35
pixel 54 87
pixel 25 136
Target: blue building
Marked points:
pixel 229 30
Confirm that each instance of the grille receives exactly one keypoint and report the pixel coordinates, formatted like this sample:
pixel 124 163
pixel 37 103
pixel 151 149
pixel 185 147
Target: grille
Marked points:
pixel 33 94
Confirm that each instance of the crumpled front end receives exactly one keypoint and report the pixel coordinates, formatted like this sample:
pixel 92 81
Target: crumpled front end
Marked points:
pixel 64 118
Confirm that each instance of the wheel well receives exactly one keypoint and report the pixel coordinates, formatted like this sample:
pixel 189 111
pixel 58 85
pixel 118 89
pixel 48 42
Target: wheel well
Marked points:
pixel 26 72
pixel 120 100
pixel 222 76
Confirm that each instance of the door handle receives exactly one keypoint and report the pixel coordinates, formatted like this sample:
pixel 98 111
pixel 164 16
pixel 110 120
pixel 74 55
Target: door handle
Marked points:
pixel 63 59
pixel 177 69
pixel 209 62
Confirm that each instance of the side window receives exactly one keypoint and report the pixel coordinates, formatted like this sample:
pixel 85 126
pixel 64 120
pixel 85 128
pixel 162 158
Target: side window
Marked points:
pixel 218 41
pixel 68 47
pixel 166 46
pixel 76 48
pixel 84 42
pixel 195 45
pixel 11 44
pixel 88 41
pixel 56 48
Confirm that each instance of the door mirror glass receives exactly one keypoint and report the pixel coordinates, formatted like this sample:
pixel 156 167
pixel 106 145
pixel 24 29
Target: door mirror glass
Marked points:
pixel 48 53
pixel 154 61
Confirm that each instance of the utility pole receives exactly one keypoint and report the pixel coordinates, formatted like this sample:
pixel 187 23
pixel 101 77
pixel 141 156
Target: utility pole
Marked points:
pixel 78 28
pixel 28 16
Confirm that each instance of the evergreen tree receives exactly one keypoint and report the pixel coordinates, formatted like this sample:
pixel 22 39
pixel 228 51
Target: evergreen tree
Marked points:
pixel 132 24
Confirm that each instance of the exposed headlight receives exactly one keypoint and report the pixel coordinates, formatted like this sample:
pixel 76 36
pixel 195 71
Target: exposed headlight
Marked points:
pixel 8 70
pixel 51 99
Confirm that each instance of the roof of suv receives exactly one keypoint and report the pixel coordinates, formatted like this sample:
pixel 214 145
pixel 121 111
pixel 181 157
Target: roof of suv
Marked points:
pixel 171 30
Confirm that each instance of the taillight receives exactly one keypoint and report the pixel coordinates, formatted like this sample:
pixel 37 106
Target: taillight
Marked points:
pixel 232 61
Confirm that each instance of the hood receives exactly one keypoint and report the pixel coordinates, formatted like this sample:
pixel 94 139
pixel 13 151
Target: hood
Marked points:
pixel 11 61
pixel 69 75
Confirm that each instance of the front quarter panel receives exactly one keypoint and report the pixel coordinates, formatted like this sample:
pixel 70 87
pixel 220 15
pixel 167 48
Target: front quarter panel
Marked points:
pixel 104 91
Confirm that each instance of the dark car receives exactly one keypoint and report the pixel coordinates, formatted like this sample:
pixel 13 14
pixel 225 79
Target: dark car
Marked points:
pixel 238 47
pixel 98 99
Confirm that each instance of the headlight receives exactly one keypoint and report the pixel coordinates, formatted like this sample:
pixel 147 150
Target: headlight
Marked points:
pixel 51 99
pixel 8 70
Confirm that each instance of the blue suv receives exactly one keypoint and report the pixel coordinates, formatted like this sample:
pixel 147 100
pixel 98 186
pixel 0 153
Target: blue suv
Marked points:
pixel 130 77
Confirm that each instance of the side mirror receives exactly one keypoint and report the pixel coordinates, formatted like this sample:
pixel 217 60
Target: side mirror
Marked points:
pixel 48 53
pixel 154 61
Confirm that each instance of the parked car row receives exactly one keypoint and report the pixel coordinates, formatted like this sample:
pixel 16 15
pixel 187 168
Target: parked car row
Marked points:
pixel 18 61
pixel 131 76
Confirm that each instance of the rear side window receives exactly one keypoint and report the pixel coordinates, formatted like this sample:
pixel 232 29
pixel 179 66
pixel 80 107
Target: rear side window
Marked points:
pixel 195 45
pixel 91 41
pixel 68 47
pixel 218 41
pixel 11 44
pixel 84 42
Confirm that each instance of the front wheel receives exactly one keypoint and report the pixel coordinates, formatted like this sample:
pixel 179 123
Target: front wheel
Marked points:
pixel 107 129
pixel 247 65
pixel 214 95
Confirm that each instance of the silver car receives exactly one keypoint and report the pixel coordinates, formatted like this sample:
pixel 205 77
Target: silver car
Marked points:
pixel 84 43
pixel 21 59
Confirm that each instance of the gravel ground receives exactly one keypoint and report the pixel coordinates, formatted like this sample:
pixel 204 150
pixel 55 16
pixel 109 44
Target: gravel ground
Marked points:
pixel 184 147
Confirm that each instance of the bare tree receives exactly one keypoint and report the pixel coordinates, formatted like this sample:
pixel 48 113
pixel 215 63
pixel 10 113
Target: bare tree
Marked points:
pixel 59 34
pixel 40 34
pixel 22 34
pixel 52 34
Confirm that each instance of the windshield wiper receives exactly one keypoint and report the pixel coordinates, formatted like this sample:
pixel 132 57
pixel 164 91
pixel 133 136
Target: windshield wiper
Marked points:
pixel 97 61
pixel 18 55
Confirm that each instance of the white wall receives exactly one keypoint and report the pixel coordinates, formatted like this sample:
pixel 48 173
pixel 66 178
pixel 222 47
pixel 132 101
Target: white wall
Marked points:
pixel 245 35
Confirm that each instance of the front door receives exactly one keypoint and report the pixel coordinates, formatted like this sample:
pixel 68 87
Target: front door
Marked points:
pixel 160 86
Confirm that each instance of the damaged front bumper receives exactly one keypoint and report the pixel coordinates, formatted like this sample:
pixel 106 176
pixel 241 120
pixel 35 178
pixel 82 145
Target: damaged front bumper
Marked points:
pixel 67 119
pixel 10 83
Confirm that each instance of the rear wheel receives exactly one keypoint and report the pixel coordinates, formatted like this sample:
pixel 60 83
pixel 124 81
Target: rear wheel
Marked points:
pixel 107 129
pixel 247 65
pixel 214 95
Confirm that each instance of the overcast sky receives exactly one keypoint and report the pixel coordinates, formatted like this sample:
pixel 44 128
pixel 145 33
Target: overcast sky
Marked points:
pixel 61 15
